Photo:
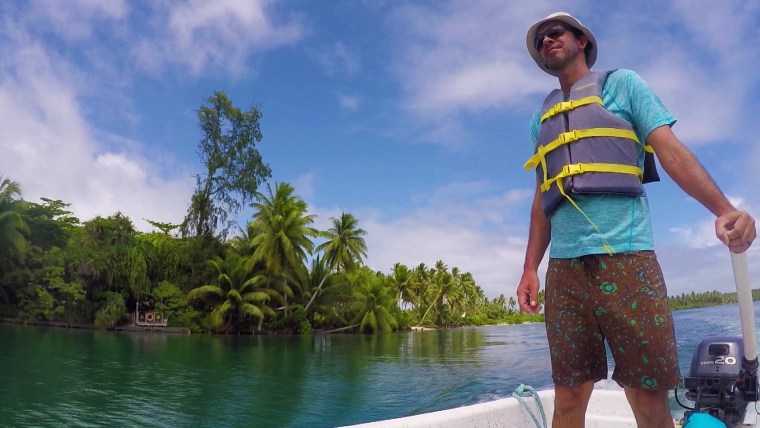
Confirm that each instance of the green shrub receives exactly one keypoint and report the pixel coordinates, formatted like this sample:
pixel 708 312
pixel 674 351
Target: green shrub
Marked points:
pixel 112 312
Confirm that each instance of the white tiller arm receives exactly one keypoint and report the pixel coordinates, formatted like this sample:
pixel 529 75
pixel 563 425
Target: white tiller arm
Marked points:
pixel 747 315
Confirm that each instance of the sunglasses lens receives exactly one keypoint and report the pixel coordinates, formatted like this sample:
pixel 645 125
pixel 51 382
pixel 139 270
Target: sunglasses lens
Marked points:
pixel 539 41
pixel 555 32
pixel 551 32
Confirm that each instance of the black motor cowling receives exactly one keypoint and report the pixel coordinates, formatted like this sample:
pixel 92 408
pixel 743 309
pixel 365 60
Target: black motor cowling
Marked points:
pixel 721 381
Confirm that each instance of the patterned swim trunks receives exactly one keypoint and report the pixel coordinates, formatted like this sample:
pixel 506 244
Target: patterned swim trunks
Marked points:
pixel 619 298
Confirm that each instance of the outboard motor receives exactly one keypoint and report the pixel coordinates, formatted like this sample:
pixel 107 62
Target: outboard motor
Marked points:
pixel 723 375
pixel 721 381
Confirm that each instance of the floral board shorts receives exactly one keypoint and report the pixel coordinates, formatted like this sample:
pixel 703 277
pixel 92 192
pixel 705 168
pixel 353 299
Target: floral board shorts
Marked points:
pixel 619 298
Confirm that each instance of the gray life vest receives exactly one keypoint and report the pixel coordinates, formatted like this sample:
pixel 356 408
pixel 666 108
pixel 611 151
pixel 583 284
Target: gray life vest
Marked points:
pixel 582 148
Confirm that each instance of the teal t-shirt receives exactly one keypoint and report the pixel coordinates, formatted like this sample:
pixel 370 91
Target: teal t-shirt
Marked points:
pixel 623 221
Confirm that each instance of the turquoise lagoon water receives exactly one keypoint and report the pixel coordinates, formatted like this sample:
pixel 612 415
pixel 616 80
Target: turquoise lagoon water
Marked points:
pixel 60 377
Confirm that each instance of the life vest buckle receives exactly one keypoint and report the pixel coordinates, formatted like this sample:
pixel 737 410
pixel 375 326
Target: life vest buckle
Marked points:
pixel 568 137
pixel 572 169
pixel 566 106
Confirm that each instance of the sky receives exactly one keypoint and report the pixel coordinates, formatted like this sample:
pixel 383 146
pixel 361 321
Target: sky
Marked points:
pixel 411 115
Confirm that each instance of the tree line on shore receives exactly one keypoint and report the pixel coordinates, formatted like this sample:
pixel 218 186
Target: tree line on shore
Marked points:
pixel 276 274
pixel 54 268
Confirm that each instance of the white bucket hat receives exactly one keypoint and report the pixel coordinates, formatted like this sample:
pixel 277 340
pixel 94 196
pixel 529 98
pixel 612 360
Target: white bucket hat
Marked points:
pixel 568 19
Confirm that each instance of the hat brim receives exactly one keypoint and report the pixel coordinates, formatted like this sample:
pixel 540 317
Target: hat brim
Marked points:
pixel 567 19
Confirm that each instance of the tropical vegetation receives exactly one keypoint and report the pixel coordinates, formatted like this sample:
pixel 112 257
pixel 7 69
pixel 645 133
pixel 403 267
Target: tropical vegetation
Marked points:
pixel 278 274
pixel 281 275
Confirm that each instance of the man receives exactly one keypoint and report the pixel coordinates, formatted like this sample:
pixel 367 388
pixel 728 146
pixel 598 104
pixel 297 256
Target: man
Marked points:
pixel 603 281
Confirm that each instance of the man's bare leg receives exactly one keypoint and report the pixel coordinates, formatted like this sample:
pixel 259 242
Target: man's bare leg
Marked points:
pixel 570 403
pixel 650 408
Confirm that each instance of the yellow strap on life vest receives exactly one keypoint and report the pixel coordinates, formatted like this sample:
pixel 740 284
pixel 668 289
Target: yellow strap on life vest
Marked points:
pixel 580 168
pixel 606 245
pixel 571 136
pixel 564 106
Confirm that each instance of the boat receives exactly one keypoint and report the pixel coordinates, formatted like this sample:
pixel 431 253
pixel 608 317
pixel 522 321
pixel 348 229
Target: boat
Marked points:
pixel 607 409
pixel 722 383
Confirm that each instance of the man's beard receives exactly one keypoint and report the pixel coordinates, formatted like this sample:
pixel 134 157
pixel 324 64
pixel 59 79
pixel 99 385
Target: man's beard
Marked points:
pixel 558 63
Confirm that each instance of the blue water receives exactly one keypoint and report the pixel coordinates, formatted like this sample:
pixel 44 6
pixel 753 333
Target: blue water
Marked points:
pixel 59 377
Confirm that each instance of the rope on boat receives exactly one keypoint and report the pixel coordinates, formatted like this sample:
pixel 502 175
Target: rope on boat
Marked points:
pixel 528 391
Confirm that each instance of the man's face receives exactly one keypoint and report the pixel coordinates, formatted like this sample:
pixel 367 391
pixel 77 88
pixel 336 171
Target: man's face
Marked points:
pixel 558 45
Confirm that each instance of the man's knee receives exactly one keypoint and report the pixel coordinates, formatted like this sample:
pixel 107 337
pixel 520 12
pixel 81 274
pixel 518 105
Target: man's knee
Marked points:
pixel 651 408
pixel 647 399
pixel 572 399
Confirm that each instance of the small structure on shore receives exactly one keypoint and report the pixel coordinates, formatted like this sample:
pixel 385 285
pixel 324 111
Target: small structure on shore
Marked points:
pixel 149 318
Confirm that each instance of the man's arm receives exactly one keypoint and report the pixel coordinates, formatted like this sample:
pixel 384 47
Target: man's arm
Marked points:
pixel 734 228
pixel 539 236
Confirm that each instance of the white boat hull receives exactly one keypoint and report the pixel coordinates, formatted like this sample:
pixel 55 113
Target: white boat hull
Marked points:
pixel 607 409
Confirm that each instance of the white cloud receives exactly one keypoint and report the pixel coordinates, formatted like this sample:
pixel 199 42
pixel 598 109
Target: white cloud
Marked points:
pixel 465 56
pixel 338 60
pixel 458 60
pixel 121 165
pixel 217 35
pixel 471 87
pixel 696 65
pixel 77 18
pixel 701 235
pixel 348 102
pixel 748 159
pixel 305 185
pixel 722 23
pixel 49 149
pixel 696 124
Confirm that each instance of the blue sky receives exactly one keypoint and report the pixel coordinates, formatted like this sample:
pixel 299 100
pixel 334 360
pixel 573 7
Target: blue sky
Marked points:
pixel 411 115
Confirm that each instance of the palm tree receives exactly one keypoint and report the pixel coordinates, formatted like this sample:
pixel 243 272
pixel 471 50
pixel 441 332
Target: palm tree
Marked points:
pixel 500 301
pixel 13 228
pixel 512 304
pixel 329 295
pixel 237 294
pixel 344 248
pixel 401 279
pixel 280 235
pixel 446 293
pixel 541 299
pixel 241 242
pixel 371 302
pixel 472 295
pixel 312 281
pixel 420 281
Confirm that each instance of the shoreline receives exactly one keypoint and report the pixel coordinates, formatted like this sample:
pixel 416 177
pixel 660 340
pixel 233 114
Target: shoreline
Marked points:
pixel 78 326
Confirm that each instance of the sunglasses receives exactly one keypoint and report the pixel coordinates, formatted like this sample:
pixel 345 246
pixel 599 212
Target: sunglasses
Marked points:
pixel 552 32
